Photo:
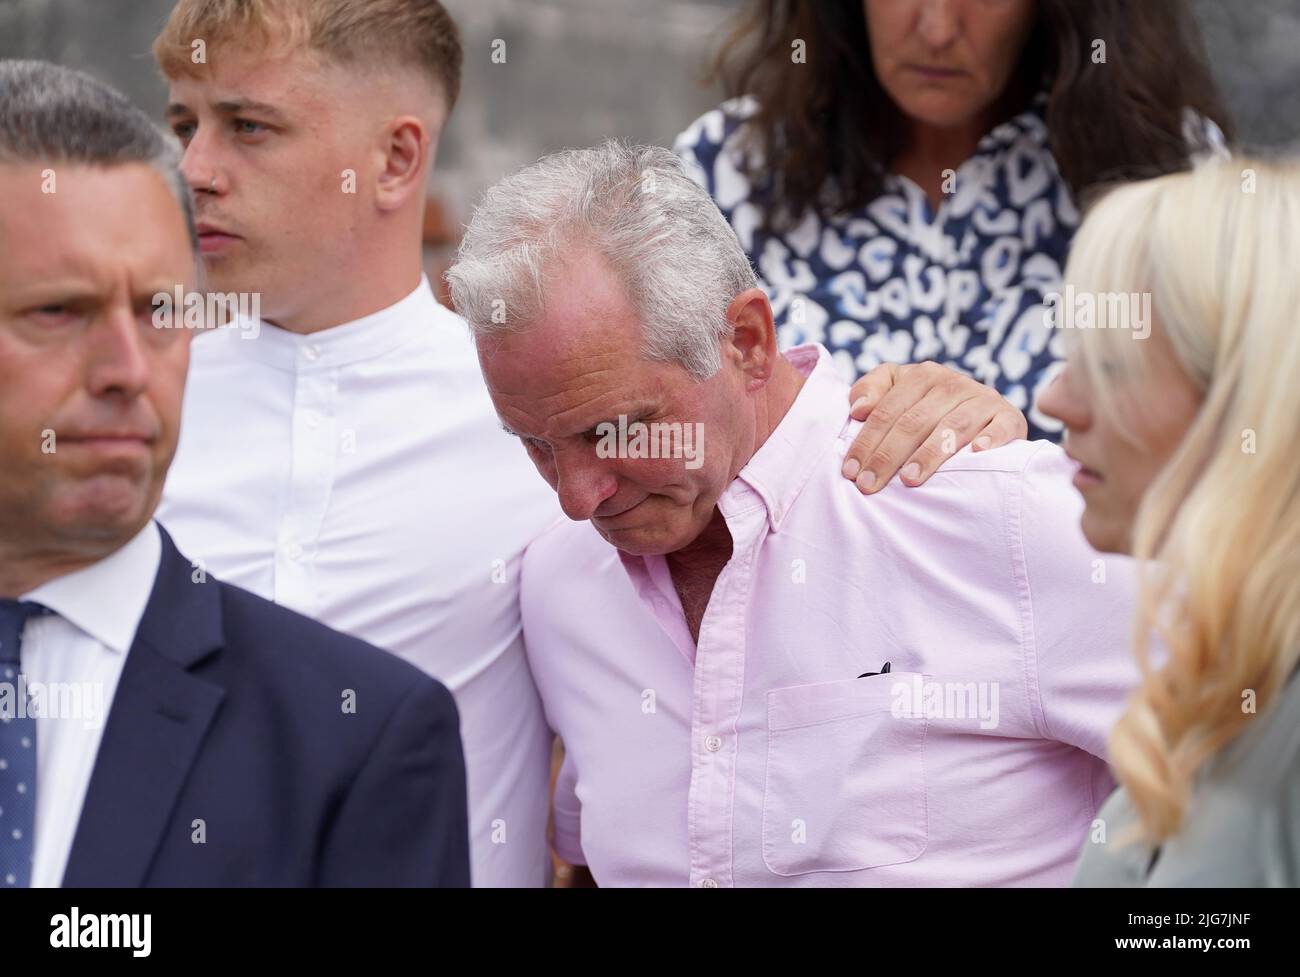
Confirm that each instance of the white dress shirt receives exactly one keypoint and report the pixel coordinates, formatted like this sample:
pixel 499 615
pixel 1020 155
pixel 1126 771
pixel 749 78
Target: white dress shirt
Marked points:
pixel 84 644
pixel 360 476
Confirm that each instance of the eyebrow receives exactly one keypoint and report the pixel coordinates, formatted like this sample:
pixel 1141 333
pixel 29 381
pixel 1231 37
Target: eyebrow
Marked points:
pixel 232 107
pixel 638 413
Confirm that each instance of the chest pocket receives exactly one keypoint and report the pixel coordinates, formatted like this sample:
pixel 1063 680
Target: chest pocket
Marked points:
pixel 845 782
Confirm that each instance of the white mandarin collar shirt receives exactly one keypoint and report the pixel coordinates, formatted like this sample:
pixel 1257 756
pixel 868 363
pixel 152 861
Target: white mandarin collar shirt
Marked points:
pixel 84 643
pixel 360 475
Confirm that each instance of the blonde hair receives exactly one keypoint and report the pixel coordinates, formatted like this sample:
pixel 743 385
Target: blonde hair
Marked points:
pixel 411 33
pixel 1217 534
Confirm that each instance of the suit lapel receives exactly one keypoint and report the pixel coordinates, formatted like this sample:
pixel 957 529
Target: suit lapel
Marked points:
pixel 157 722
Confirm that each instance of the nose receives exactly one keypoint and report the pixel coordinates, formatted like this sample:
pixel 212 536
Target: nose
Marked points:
pixel 198 165
pixel 1063 400
pixel 116 363
pixel 582 482
pixel 938 23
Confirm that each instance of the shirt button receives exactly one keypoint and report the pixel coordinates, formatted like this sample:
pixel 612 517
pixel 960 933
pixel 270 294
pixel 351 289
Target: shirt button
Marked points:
pixel 709 884
pixel 312 352
pixel 312 418
pixel 713 744
pixel 293 551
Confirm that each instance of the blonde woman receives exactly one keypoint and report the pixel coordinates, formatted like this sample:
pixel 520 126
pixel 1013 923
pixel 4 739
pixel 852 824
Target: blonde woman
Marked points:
pixel 1185 422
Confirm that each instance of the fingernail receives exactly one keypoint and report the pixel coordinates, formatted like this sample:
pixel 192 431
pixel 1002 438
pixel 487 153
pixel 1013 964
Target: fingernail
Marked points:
pixel 981 443
pixel 912 472
pixel 859 405
pixel 851 468
pixel 866 480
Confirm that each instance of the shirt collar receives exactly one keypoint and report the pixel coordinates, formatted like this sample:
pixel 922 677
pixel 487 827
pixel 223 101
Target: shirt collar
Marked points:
pixel 107 599
pixel 1028 126
pixel 778 471
pixel 362 339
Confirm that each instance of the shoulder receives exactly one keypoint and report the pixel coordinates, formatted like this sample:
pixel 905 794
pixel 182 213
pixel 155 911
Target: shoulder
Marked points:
pixel 712 147
pixel 1112 857
pixel 1005 479
pixel 566 547
pixel 1026 459
pixel 216 346
pixel 1015 505
pixel 281 649
pixel 712 128
pixel 1271 771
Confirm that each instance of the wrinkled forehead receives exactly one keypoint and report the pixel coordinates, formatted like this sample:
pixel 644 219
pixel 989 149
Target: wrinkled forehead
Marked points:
pixel 539 366
pixel 91 222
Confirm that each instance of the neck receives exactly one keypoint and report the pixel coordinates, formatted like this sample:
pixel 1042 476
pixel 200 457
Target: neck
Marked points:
pixel 932 149
pixel 705 556
pixel 936 150
pixel 385 273
pixel 23 570
pixel 778 396
pixel 711 549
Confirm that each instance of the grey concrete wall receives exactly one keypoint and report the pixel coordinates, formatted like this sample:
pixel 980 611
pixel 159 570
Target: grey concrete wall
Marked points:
pixel 579 70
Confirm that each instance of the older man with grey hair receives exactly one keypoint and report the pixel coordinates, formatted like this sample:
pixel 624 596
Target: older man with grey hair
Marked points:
pixel 188 732
pixel 762 676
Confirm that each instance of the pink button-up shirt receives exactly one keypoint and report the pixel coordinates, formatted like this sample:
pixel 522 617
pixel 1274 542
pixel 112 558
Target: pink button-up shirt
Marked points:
pixel 759 756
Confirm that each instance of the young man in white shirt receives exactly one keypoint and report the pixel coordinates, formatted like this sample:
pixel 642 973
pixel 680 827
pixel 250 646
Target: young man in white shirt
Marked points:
pixel 342 458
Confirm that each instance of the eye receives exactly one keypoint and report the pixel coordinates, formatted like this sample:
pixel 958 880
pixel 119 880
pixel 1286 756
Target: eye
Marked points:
pixel 246 127
pixel 52 314
pixel 184 131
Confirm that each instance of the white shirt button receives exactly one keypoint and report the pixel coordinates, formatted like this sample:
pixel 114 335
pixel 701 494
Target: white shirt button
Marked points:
pixel 312 352
pixel 293 551
pixel 713 743
pixel 709 884
pixel 312 418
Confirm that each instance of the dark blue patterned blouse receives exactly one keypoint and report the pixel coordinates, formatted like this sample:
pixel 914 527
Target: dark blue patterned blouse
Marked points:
pixel 897 282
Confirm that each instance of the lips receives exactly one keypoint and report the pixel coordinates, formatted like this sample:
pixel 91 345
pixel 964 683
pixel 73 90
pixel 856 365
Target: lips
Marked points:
pixel 213 238
pixel 205 229
pixel 107 435
pixel 108 441
pixel 937 74
pixel 620 512
pixel 1086 474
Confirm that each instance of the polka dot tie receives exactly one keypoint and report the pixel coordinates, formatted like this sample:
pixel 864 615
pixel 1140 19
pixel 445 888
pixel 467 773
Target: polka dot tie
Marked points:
pixel 17 749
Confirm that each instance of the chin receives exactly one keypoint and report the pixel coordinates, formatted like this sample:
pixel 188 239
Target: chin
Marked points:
pixel 223 274
pixel 645 540
pixel 940 111
pixel 1103 535
pixel 105 509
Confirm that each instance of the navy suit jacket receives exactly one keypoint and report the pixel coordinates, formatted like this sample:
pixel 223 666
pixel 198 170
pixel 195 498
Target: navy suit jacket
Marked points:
pixel 229 759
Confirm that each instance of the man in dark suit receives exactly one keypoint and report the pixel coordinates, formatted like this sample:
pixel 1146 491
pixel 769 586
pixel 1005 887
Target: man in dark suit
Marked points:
pixel 158 727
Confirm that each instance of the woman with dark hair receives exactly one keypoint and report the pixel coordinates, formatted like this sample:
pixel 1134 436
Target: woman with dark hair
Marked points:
pixel 903 175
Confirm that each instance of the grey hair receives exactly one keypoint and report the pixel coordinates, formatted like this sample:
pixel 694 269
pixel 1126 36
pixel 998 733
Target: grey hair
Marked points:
pixel 674 253
pixel 52 114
